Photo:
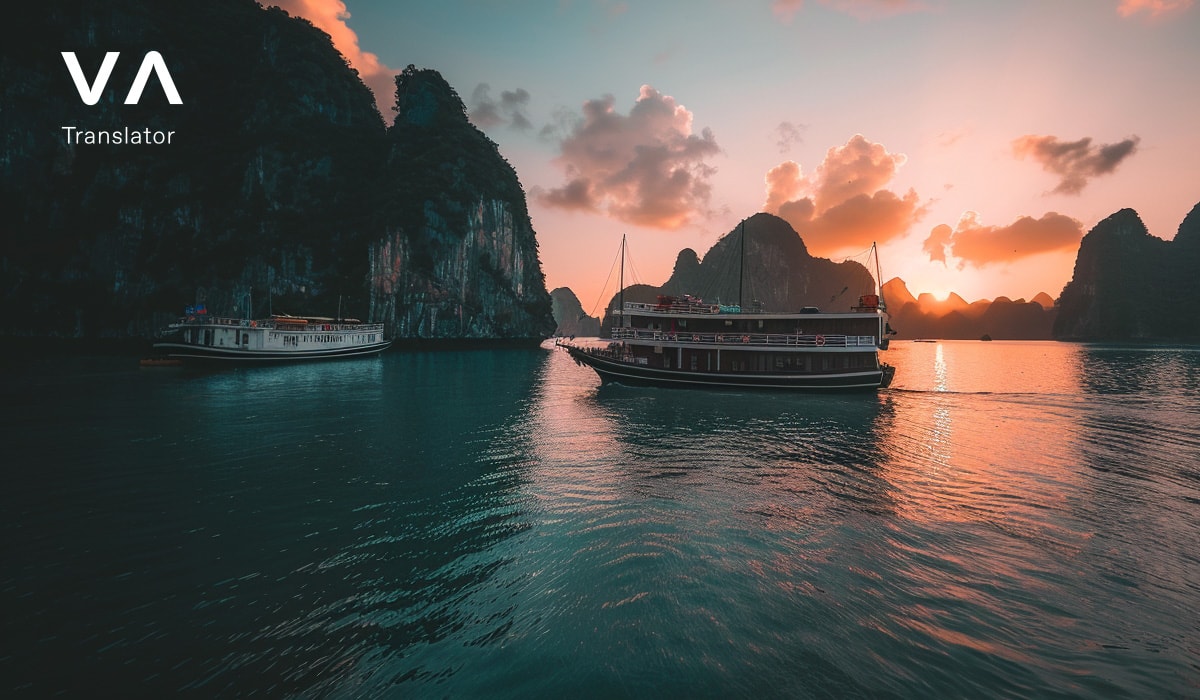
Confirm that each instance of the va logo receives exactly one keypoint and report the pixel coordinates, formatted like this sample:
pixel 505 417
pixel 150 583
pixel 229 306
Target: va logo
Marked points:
pixel 90 94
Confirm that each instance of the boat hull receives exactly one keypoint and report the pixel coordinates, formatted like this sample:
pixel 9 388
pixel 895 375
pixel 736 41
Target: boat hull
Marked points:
pixel 189 352
pixel 615 371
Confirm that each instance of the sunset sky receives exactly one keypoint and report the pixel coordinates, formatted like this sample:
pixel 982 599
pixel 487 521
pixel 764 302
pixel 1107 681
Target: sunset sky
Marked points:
pixel 975 141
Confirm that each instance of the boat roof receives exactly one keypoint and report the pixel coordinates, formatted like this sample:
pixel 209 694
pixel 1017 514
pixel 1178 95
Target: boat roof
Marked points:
pixel 312 319
pixel 755 315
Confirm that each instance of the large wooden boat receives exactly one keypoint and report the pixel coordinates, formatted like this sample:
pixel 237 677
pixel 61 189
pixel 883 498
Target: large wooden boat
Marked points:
pixel 684 342
pixel 200 336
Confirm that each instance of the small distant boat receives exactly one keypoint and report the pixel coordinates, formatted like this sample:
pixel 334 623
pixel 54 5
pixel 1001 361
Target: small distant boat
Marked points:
pixel 685 342
pixel 200 336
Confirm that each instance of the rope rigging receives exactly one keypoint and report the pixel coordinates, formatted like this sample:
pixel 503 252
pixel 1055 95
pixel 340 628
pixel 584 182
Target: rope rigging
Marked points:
pixel 606 281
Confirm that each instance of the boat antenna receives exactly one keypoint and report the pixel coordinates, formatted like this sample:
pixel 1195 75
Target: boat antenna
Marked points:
pixel 742 263
pixel 878 275
pixel 621 282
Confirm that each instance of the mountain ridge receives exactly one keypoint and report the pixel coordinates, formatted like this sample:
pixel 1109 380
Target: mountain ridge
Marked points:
pixel 924 316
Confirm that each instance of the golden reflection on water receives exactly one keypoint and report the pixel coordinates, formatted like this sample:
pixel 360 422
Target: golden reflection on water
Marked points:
pixel 986 433
pixel 939 369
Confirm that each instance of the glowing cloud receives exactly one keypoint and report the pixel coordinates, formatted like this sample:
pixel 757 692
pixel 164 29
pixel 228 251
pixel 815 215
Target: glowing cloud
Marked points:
pixel 786 9
pixel 1075 162
pixel 844 203
pixel 978 245
pixel 330 17
pixel 647 168
pixel 1155 8
pixel 486 112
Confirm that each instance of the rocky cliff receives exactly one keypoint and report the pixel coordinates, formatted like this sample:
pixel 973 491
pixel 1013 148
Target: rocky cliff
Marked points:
pixel 458 258
pixel 572 320
pixel 281 188
pixel 1130 285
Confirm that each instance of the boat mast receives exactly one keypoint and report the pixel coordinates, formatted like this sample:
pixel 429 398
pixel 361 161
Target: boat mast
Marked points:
pixel 742 263
pixel 621 283
pixel 878 276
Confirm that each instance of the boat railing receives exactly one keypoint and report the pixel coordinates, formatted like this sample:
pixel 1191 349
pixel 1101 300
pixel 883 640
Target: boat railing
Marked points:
pixel 815 340
pixel 680 307
pixel 280 323
pixel 619 355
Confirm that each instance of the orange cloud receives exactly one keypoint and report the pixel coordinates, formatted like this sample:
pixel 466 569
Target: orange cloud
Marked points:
pixel 862 220
pixel 1075 162
pixel 647 168
pixel 844 204
pixel 786 9
pixel 978 245
pixel 330 17
pixel 1155 8
pixel 784 183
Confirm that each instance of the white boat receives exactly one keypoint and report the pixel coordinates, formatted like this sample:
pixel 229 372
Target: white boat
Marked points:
pixel 684 342
pixel 200 336
pixel 702 346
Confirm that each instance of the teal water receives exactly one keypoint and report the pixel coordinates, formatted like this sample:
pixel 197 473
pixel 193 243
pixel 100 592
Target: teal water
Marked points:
pixel 1009 520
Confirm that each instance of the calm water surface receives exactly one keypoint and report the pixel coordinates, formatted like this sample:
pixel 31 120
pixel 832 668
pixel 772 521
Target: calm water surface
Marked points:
pixel 1009 520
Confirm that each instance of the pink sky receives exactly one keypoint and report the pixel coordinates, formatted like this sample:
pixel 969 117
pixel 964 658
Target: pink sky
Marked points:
pixel 974 142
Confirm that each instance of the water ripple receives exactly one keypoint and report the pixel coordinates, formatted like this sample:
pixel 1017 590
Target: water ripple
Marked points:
pixel 494 524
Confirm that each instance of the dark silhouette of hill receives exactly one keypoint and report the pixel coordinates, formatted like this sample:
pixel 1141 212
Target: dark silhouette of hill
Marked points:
pixel 953 318
pixel 1130 285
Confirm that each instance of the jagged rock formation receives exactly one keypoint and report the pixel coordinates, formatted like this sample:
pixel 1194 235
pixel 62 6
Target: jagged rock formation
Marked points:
pixel 953 318
pixel 1130 285
pixel 459 256
pixel 282 187
pixel 775 271
pixel 570 316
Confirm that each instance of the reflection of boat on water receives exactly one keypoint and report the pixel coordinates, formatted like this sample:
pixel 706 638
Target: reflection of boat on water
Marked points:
pixel 200 336
pixel 684 342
